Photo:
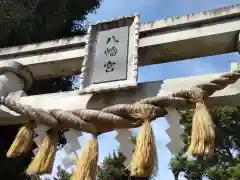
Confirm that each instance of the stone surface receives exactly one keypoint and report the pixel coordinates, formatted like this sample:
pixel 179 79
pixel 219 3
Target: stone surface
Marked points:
pixel 14 77
pixel 10 82
pixel 207 33
pixel 214 38
pixel 189 19
pixel 17 94
pixel 111 55
pixel 110 62
pixel 21 71
pixel 72 100
pixel 3 110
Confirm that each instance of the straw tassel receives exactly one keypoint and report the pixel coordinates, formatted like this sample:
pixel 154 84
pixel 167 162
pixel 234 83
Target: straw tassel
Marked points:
pixel 43 161
pixel 144 158
pixel 23 142
pixel 203 132
pixel 86 168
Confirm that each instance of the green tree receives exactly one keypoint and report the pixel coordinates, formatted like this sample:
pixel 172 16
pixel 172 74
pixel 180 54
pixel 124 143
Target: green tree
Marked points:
pixel 35 177
pixel 112 168
pixel 63 174
pixel 225 163
pixel 31 21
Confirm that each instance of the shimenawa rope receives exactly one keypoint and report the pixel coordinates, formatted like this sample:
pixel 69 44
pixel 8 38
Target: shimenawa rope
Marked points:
pixel 117 117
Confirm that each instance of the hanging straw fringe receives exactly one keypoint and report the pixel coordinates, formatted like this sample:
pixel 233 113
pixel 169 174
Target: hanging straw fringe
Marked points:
pixel 87 163
pixel 23 141
pixel 144 161
pixel 43 161
pixel 145 156
pixel 203 132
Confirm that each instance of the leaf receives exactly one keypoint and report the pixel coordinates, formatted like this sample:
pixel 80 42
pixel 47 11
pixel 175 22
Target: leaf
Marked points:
pixel 224 164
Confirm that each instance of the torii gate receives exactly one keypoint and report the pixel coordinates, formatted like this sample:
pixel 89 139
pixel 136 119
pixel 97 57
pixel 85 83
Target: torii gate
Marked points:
pixel 207 33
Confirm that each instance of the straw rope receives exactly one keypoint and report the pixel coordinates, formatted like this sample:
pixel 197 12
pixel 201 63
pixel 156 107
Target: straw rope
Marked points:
pixel 121 115
pixel 144 161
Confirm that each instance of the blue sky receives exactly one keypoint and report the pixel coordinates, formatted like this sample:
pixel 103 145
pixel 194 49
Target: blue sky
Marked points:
pixel 152 10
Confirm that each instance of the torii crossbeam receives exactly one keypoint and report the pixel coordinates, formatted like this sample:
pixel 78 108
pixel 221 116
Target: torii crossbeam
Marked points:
pixel 107 59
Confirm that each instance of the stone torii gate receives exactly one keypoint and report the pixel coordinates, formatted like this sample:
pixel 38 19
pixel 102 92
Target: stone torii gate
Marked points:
pixel 107 59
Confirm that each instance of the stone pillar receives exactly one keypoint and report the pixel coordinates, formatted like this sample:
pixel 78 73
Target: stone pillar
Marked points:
pixel 14 77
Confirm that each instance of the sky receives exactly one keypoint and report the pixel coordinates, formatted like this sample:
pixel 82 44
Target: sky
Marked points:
pixel 152 10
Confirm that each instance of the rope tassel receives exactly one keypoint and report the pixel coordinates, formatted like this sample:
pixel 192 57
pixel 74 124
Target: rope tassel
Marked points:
pixel 144 160
pixel 23 141
pixel 145 156
pixel 43 161
pixel 203 132
pixel 86 168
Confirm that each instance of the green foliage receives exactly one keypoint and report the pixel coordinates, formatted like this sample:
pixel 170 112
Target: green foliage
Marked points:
pixel 63 174
pixel 177 165
pixel 35 177
pixel 30 21
pixel 224 165
pixel 113 168
pixel 51 85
